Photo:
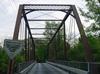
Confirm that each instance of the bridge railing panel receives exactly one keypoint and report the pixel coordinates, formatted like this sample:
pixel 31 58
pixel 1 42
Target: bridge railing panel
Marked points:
pixel 90 67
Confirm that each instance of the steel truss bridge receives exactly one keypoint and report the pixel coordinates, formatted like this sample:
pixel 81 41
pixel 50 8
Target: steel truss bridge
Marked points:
pixel 54 64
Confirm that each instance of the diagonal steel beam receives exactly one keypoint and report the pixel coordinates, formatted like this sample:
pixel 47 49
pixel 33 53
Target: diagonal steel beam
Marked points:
pixel 27 24
pixel 61 24
pixel 85 42
pixel 63 21
pixel 70 14
pixel 18 21
pixel 29 11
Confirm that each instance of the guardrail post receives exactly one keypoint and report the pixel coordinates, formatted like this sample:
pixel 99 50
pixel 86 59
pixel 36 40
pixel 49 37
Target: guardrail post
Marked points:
pixel 10 67
pixel 93 68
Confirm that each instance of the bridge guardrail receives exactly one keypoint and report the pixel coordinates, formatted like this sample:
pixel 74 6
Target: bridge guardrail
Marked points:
pixel 69 69
pixel 75 64
pixel 86 66
pixel 23 68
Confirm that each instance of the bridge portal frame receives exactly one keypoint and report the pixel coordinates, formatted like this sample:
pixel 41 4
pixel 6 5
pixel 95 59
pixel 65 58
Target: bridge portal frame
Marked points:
pixel 68 9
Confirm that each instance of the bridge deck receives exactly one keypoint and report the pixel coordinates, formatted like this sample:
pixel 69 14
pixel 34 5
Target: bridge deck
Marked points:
pixel 44 68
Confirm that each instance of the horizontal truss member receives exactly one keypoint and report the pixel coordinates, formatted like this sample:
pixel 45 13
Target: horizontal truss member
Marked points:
pixel 43 34
pixel 43 28
pixel 40 38
pixel 44 19
pixel 38 34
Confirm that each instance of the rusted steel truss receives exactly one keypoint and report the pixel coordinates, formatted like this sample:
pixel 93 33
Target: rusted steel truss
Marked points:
pixel 68 9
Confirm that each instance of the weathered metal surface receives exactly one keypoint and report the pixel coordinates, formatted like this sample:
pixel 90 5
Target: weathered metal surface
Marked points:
pixel 85 42
pixel 27 24
pixel 47 7
pixel 15 37
pixel 66 16
pixel 18 22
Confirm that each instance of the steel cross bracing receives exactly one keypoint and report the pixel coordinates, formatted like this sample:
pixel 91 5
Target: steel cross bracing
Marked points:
pixel 25 9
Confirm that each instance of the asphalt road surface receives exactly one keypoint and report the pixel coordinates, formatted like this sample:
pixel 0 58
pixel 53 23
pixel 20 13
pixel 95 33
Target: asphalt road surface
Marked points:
pixel 44 68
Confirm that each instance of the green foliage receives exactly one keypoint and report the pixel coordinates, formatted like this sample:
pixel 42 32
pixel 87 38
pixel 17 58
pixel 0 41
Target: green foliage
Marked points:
pixel 95 45
pixel 20 58
pixel 49 32
pixel 3 61
pixel 93 31
pixel 57 45
pixel 40 52
pixel 76 52
pixel 92 13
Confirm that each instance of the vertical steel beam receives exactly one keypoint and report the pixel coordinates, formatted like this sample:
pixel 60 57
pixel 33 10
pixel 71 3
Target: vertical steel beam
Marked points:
pixel 56 47
pixel 59 42
pixel 11 67
pixel 84 39
pixel 47 52
pixel 25 42
pixel 33 51
pixel 55 53
pixel 65 49
pixel 28 47
pixel 27 24
pixel 15 37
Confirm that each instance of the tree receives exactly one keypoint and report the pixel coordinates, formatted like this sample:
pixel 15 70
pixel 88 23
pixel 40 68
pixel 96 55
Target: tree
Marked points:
pixel 95 45
pixel 49 32
pixel 93 31
pixel 56 47
pixel 92 13
pixel 3 61
pixel 40 50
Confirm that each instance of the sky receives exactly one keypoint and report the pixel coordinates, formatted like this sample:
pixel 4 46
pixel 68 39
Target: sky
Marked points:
pixel 9 9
